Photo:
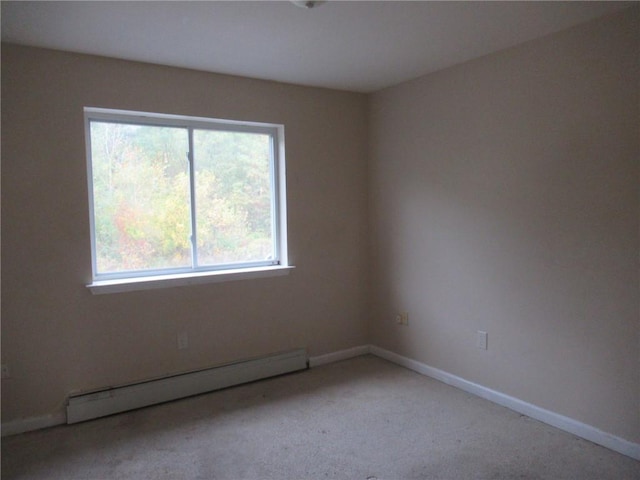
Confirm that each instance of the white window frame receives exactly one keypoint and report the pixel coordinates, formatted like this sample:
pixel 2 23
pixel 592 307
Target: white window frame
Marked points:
pixel 161 278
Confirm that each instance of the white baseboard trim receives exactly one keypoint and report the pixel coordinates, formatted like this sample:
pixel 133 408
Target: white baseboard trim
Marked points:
pixel 23 425
pixel 567 424
pixel 339 355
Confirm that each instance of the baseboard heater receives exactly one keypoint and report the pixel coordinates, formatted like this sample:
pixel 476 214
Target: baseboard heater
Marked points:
pixel 129 397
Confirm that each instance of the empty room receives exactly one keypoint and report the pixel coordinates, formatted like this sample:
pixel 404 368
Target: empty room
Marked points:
pixel 333 239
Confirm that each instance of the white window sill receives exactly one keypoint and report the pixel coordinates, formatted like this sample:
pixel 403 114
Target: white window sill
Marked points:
pixel 177 280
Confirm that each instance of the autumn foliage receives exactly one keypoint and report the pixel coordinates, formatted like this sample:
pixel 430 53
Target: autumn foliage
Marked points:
pixel 142 197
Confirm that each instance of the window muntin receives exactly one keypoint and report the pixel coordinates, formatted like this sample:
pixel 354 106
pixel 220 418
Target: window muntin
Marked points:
pixel 172 194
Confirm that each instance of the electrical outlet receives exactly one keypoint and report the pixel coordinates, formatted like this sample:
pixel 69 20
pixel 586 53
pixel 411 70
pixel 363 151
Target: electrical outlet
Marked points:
pixel 402 318
pixel 482 340
pixel 5 370
pixel 183 340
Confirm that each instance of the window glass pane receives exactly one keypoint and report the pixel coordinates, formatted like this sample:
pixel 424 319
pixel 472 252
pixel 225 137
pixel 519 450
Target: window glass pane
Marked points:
pixel 233 197
pixel 140 197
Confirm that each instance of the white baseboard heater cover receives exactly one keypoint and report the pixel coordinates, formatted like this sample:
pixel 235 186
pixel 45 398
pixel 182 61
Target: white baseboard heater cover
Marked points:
pixel 129 397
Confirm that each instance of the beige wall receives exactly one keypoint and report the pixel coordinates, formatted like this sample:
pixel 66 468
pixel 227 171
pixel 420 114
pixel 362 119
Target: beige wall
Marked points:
pixel 58 338
pixel 504 198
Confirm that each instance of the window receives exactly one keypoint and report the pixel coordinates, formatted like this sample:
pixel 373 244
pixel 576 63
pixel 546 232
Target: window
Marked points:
pixel 174 197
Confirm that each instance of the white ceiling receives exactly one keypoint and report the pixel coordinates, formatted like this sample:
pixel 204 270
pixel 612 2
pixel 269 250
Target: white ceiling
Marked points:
pixel 358 45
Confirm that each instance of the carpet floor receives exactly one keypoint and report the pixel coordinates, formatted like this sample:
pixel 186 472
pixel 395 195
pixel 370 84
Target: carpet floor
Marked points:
pixel 363 418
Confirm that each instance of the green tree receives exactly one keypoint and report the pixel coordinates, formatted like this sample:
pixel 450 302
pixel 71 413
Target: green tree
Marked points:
pixel 141 199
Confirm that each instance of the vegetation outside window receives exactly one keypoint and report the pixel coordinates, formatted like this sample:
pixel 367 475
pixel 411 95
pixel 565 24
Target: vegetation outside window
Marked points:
pixel 172 194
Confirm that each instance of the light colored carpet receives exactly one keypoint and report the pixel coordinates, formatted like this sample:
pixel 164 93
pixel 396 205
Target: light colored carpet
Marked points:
pixel 363 419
